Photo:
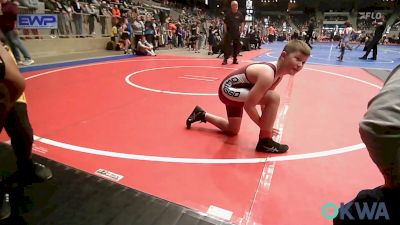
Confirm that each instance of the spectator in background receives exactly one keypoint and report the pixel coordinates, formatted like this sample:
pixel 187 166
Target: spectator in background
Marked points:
pixel 77 17
pixel 93 15
pixel 144 47
pixel 8 20
pixel 138 30
pixel 114 33
pixel 64 16
pixel 52 7
pixel 179 35
pixel 158 37
pixel 251 34
pixel 85 17
pixel 194 37
pixel 32 7
pixel 103 14
pixel 203 33
pixel 211 38
pixel 134 13
pixel 130 25
pixel 271 34
pixel 345 40
pixel 172 28
pixel 258 40
pixel 125 35
pixel 169 39
pixel 150 30
pixel 116 14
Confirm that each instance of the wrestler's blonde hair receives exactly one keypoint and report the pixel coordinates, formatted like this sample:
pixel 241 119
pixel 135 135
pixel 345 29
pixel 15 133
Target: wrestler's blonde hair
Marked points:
pixel 297 46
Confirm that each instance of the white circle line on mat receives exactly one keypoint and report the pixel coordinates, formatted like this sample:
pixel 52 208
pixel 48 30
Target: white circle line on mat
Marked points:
pixel 128 80
pixel 201 160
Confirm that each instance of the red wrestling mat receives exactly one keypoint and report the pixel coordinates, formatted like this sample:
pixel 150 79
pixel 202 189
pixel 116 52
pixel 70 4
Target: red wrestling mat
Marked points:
pixel 128 117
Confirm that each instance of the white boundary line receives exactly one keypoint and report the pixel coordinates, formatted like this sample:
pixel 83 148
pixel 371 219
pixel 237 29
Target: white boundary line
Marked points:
pixel 389 50
pixel 330 52
pixel 336 65
pixel 198 160
pixel 193 78
pixel 128 80
pixel 345 76
pixel 351 61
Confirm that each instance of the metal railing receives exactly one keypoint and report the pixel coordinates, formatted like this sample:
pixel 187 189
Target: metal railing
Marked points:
pixel 69 25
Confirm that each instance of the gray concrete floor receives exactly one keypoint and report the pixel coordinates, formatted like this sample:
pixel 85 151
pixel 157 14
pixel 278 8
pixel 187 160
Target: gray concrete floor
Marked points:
pixel 105 53
pixel 381 74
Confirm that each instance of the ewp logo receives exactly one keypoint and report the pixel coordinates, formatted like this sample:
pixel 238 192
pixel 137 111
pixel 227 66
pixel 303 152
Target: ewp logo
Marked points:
pixel 35 21
pixel 364 211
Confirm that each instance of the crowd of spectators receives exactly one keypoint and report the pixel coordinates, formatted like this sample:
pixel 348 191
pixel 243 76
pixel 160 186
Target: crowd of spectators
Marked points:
pixel 125 21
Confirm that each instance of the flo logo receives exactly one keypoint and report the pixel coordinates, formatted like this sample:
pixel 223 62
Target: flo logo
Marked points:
pixel 363 211
pixel 372 15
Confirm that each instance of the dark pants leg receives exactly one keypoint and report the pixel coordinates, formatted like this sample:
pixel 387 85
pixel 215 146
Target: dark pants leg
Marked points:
pixel 91 24
pixel 233 40
pixel 61 24
pixel 227 46
pixel 20 131
pixel 375 49
pixel 342 49
pixel 153 40
pixel 137 38
pixel 4 104
pixel 180 42
pixel 236 47
pixel 150 39
pixel 372 46
pixel 308 41
pixel 103 25
pixel 367 51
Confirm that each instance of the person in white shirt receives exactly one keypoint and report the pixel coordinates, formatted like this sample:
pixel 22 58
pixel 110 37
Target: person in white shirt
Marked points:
pixel 144 47
pixel 138 29
pixel 345 40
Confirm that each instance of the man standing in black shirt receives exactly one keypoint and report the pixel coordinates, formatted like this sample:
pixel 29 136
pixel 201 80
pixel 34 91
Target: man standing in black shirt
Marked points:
pixel 233 25
pixel 380 28
pixel 310 32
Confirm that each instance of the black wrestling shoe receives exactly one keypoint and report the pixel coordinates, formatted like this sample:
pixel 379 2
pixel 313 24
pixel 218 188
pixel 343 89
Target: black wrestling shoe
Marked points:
pixel 235 61
pixel 41 173
pixel 225 62
pixel 34 172
pixel 268 145
pixel 198 114
pixel 372 58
